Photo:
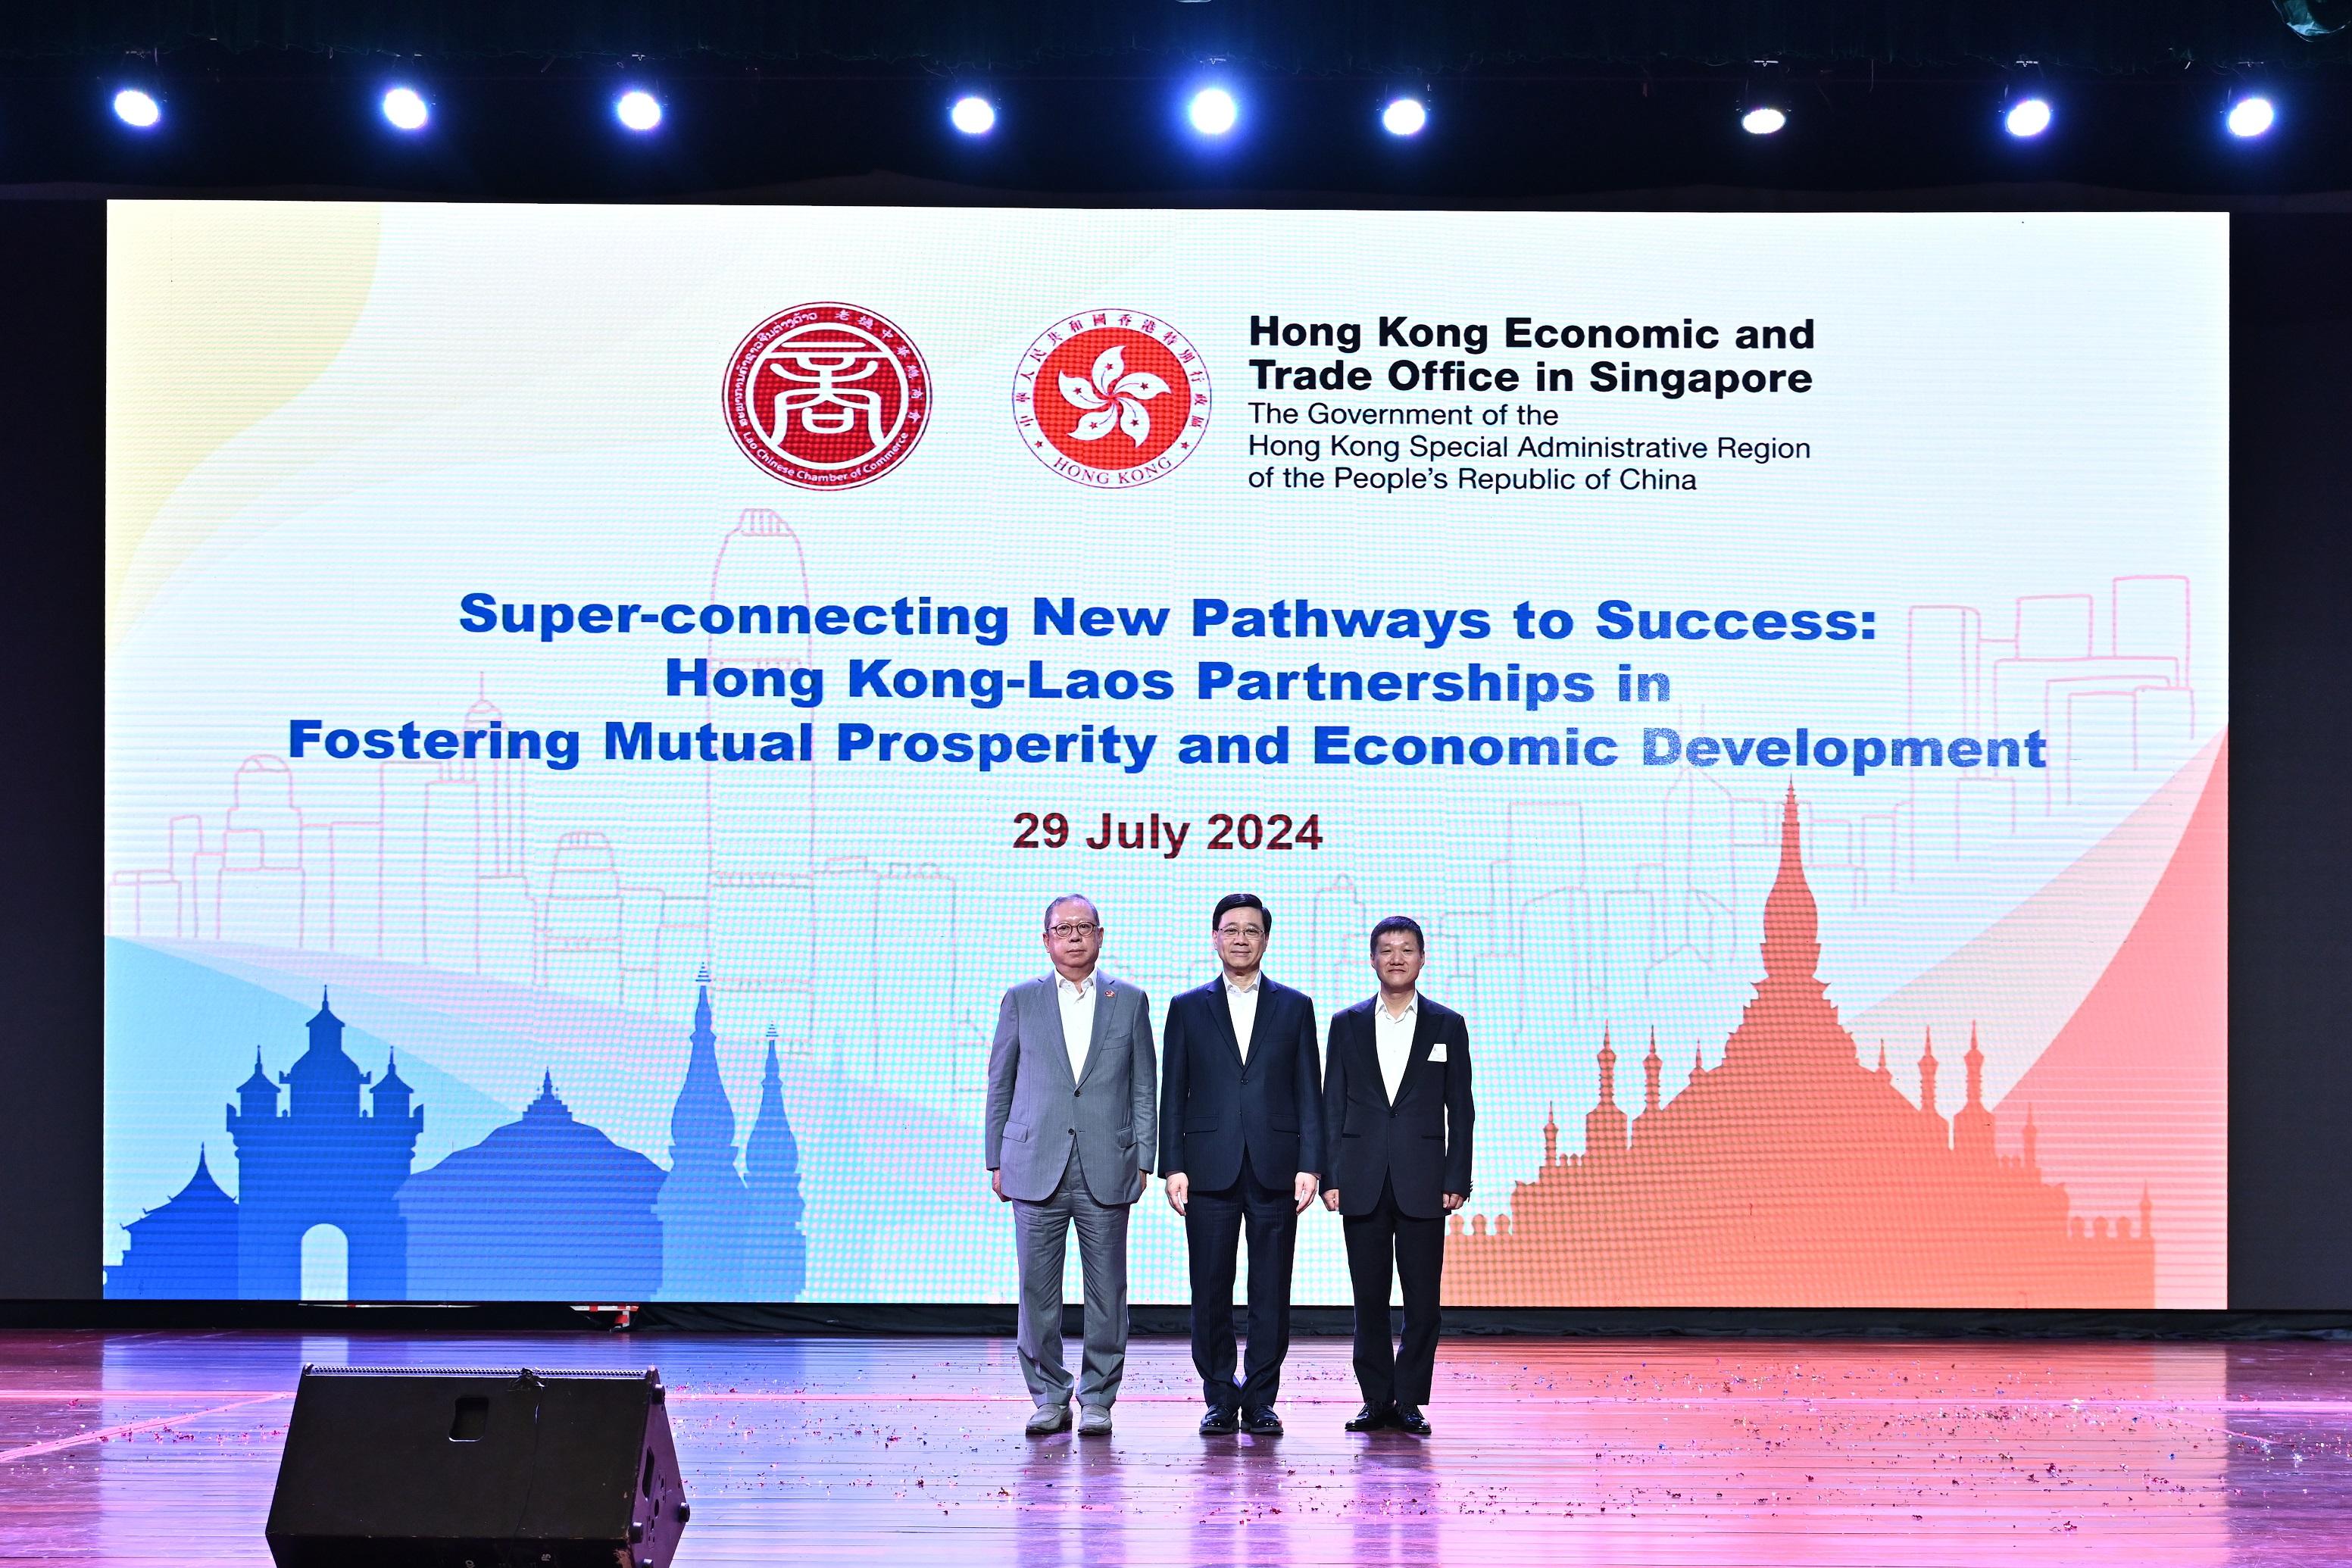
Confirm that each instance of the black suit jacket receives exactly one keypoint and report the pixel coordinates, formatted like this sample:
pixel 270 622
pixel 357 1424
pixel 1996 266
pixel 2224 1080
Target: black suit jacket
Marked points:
pixel 1421 1144
pixel 1213 1105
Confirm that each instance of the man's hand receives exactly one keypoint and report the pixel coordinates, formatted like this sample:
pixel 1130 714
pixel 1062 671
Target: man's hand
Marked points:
pixel 1302 1189
pixel 1179 1190
pixel 1331 1199
pixel 996 1185
pixel 1454 1201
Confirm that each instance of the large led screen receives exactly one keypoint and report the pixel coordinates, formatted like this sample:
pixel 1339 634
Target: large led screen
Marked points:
pixel 599 700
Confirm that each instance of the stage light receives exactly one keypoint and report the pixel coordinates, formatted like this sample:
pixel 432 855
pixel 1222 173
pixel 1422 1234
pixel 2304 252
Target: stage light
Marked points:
pixel 405 108
pixel 975 116
pixel 2027 118
pixel 1214 112
pixel 1405 117
pixel 2250 117
pixel 1762 121
pixel 638 110
pixel 136 109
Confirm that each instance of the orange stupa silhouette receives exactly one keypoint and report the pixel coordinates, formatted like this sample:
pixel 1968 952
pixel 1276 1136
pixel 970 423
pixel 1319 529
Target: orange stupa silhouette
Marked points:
pixel 1791 1175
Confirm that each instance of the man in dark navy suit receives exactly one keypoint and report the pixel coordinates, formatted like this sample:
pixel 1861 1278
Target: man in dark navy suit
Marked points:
pixel 1397 1111
pixel 1241 1143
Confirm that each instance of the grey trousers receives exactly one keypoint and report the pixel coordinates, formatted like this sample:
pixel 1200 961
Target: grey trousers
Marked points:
pixel 1040 1232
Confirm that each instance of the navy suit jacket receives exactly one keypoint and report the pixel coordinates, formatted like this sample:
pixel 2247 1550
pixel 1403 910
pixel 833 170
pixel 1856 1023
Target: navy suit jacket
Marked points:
pixel 1213 1104
pixel 1419 1145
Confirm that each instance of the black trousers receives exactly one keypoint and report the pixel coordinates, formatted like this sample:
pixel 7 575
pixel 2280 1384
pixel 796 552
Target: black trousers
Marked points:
pixel 1417 1249
pixel 1213 1230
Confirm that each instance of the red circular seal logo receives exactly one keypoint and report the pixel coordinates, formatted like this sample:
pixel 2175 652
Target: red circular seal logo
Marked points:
pixel 1112 398
pixel 827 395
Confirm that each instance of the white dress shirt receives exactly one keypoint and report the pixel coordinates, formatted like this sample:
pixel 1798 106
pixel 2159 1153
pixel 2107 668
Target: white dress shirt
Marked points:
pixel 1077 999
pixel 1241 1005
pixel 1392 1037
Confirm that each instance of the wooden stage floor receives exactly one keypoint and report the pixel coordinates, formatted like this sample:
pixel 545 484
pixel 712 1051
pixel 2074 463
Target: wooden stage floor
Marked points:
pixel 161 1449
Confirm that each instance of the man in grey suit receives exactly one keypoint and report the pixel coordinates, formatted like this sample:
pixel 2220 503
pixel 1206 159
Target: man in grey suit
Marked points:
pixel 1071 1125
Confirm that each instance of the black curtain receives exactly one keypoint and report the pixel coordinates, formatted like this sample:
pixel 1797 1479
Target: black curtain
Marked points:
pixel 1380 37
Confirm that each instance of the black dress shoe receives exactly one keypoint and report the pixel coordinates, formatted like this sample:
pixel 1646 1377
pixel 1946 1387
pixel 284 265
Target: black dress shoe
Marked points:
pixel 1409 1418
pixel 1260 1421
pixel 1220 1422
pixel 1370 1419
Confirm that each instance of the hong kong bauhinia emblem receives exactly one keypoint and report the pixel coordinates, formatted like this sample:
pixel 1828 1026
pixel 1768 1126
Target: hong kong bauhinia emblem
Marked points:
pixel 1112 398
pixel 827 395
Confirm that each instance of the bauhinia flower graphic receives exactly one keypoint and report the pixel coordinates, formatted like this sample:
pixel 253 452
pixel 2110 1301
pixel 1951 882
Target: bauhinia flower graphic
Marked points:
pixel 1114 397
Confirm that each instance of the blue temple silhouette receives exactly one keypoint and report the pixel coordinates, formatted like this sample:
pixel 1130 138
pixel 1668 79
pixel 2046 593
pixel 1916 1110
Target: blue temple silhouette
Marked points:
pixel 544 1208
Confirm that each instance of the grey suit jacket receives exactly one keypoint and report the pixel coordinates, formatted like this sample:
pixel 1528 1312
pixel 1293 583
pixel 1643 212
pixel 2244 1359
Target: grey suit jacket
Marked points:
pixel 1038 1114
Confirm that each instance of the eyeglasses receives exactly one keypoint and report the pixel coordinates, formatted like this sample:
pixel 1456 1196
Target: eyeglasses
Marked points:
pixel 1072 932
pixel 1241 931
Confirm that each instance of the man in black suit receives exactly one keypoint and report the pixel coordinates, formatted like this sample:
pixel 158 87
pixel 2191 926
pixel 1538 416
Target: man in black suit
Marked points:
pixel 1397 1110
pixel 1241 1107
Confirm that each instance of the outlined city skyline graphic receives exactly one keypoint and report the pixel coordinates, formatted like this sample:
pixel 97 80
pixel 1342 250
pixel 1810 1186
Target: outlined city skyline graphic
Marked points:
pixel 455 871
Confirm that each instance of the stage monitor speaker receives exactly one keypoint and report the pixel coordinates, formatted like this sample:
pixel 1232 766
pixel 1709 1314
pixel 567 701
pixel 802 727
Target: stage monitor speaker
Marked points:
pixel 441 1468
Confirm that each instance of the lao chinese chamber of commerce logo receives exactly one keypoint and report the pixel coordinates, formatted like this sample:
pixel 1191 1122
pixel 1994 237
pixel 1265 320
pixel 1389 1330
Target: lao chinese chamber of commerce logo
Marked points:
pixel 1112 398
pixel 827 395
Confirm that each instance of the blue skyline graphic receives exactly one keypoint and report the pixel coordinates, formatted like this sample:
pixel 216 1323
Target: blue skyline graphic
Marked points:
pixel 546 1207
